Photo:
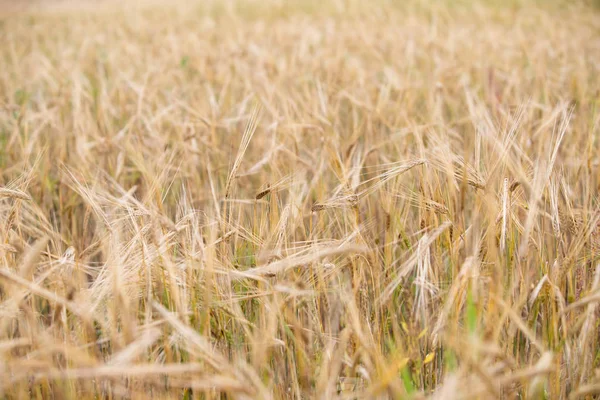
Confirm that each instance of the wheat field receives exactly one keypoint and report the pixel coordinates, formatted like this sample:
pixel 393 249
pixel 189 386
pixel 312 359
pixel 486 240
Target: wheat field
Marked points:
pixel 246 199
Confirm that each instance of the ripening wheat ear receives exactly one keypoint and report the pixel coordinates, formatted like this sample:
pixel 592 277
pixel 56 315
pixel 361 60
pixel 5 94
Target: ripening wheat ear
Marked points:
pixel 14 193
pixel 248 133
